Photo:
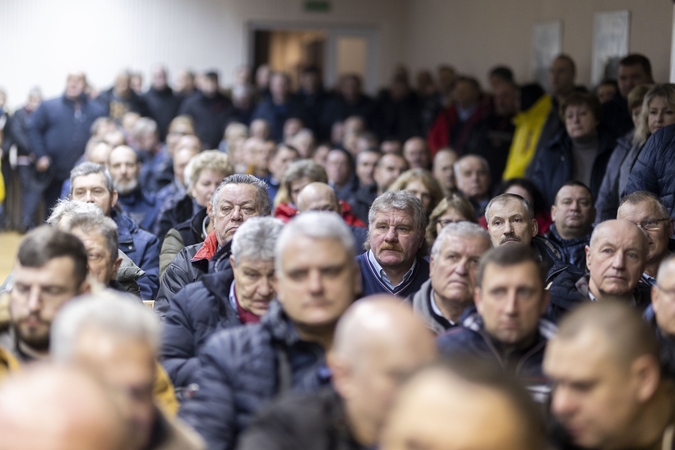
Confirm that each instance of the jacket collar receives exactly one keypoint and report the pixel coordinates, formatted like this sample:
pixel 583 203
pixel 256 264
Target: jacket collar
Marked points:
pixel 125 225
pixel 279 325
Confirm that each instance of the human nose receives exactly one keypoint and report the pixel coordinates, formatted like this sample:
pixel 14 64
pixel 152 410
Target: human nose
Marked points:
pixel 236 214
pixel 34 299
pixel 265 288
pixel 508 228
pixel 618 261
pixel 391 235
pixel 88 197
pixel 562 403
pixel 315 282
pixel 462 268
pixel 510 303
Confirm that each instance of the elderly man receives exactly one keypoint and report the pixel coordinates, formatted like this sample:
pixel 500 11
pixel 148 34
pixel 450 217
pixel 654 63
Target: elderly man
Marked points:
pixel 609 392
pixel 462 406
pixel 238 198
pixel 241 370
pixel 508 328
pixel 239 295
pixel 453 268
pixel 443 169
pixel 661 313
pixel 321 197
pixel 58 132
pixel 364 352
pixel 389 167
pixel 117 340
pixel 616 259
pixel 472 175
pixel 135 201
pixel 394 262
pixel 648 212
pixel 416 153
pixel 573 215
pixel 92 183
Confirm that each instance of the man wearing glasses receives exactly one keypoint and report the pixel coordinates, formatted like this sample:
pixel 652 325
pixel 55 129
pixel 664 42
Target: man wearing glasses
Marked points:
pixel 661 313
pixel 648 212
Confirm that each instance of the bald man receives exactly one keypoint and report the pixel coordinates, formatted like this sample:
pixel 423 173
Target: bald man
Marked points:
pixel 609 392
pixel 462 406
pixel 321 197
pixel 616 258
pixel 377 343
pixel 443 169
pixel 416 153
pixel 52 408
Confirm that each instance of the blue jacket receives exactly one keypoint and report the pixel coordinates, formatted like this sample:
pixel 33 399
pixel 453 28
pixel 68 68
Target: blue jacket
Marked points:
pixel 143 249
pixel 241 370
pixel 573 251
pixel 371 284
pixel 141 206
pixel 277 115
pixel 609 197
pixel 654 170
pixel 57 131
pixel 196 312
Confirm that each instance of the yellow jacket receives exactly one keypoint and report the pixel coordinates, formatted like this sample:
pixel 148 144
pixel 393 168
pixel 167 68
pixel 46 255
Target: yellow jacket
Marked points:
pixel 528 129
pixel 8 363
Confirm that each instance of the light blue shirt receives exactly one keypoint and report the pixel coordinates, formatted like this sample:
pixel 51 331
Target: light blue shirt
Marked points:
pixel 383 276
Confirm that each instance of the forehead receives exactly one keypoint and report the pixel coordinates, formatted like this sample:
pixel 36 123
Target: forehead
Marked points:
pixel 638 210
pixel 237 193
pixel 582 357
pixel 325 251
pixel 336 156
pixel 470 164
pixel 573 192
pixel 623 237
pixel 122 155
pixel 514 274
pixel 634 70
pixel 57 271
pixel 444 158
pixel 470 245
pixel 561 64
pixel 390 160
pixel 509 206
pixel 367 157
pixel 90 240
pixel 393 216
pixel 89 181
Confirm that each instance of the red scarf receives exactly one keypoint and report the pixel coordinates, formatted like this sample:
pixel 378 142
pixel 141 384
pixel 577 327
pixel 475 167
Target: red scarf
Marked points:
pixel 246 317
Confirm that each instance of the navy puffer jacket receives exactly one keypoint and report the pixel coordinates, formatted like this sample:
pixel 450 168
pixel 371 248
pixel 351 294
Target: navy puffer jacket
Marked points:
pixel 241 370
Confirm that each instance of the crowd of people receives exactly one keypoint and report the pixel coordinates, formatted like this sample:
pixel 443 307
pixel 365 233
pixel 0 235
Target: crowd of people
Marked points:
pixel 260 268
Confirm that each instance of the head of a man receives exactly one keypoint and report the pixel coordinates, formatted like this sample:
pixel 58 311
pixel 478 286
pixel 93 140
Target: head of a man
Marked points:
pixel 378 343
pixel 604 364
pixel 573 212
pixel 238 198
pixel 76 83
pixel 443 168
pixel 446 406
pixel 396 227
pixel 453 268
pixel 338 167
pixel 159 78
pixel 283 155
pixel 562 74
pixel 616 259
pixel 252 261
pixel 50 269
pixel 124 169
pixel 210 84
pixel 365 166
pixel 280 87
pixel 92 183
pixel 648 212
pixel 99 236
pixel 117 339
pixel 510 219
pixel 663 297
pixel 298 175
pixel 467 92
pixel 510 296
pixel 388 169
pixel 416 153
pixel 472 175
pixel 634 70
pixel 506 99
pixel 180 161
pixel 318 197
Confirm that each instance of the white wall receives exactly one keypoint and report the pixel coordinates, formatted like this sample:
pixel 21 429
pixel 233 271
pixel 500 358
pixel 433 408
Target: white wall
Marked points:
pixel 44 39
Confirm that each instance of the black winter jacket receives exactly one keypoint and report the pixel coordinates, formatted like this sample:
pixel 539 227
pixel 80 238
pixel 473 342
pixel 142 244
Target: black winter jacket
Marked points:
pixel 609 196
pixel 573 251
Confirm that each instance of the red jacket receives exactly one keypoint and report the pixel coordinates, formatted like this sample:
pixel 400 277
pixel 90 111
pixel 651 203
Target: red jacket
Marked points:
pixel 446 120
pixel 286 212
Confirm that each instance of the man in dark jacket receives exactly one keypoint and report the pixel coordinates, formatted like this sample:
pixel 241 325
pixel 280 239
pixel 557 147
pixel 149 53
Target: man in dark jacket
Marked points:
pixel 121 99
pixel 162 103
pixel 59 130
pixel 453 267
pixel 241 370
pixel 661 313
pixel 615 258
pixel 238 295
pixel 279 106
pixel 351 415
pixel 238 198
pixel 393 263
pixel 573 215
pixel 508 327
pixel 348 101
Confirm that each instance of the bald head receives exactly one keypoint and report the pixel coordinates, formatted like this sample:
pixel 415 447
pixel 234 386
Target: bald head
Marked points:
pixel 318 197
pixel 52 408
pixel 613 228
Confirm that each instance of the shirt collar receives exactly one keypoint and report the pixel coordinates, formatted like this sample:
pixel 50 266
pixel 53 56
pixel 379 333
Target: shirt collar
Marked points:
pixel 382 274
pixel 437 310
pixel 232 297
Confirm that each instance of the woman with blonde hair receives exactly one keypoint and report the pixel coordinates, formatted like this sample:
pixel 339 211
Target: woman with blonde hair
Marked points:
pixel 423 185
pixel 452 209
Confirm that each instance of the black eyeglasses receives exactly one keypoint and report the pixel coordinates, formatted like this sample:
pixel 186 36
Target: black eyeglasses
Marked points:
pixel 651 224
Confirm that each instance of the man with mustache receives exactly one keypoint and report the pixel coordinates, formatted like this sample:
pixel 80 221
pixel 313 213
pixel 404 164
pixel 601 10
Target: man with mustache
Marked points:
pixel 394 263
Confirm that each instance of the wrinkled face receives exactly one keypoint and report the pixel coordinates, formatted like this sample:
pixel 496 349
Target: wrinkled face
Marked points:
pixel 254 284
pixel 511 301
pixel 658 226
pixel 337 167
pixel 317 282
pixel 561 76
pixel 660 114
pixel 663 300
pixel 473 178
pixel 394 238
pixel 615 260
pixel 365 167
pixel 573 212
pixel 128 366
pixel 416 153
pixel 419 190
pixel 102 265
pixel 92 189
pixel 125 170
pixel 509 222
pixel 443 169
pixel 388 169
pixel 75 85
pixel 579 121
pixel 453 271
pixel 236 204
pixel 594 398
pixel 38 294
pixel 606 93
pixel 630 77
pixel 206 184
pixel 280 162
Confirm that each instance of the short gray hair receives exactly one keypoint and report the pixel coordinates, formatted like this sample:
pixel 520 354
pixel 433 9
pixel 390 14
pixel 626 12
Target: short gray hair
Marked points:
pixel 255 239
pixel 460 230
pixel 402 201
pixel 504 198
pixel 88 168
pixel 262 197
pixel 144 127
pixel 483 161
pixel 71 208
pixel 316 225
pixel 108 311
pixel 97 224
